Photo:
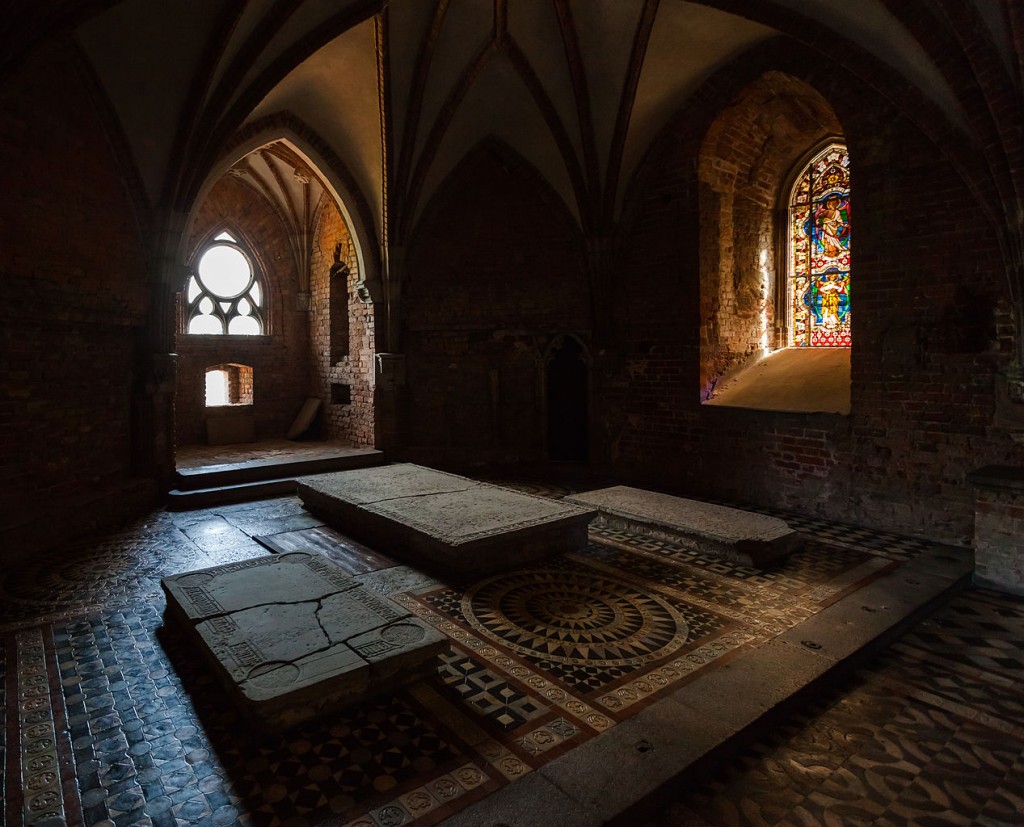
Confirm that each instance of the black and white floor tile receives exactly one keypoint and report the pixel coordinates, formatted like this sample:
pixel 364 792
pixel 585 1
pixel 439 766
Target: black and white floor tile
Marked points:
pixel 109 717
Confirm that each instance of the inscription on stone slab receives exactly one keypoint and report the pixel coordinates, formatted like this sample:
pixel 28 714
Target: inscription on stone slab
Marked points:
pixel 238 586
pixel 453 522
pixel 293 635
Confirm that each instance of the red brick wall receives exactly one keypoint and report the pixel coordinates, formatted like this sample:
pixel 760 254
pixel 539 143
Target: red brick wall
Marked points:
pixel 745 164
pixel 494 273
pixel 73 271
pixel 928 290
pixel 342 334
pixel 279 361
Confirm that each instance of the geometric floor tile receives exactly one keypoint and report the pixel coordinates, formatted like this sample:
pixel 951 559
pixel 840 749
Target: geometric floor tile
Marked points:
pixel 930 732
pixel 542 660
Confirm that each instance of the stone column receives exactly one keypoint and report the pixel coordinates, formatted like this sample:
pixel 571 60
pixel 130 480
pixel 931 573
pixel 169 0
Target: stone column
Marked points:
pixel 389 387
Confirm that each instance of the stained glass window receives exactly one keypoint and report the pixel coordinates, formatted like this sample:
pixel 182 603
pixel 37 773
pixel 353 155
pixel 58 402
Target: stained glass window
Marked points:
pixel 819 254
pixel 223 294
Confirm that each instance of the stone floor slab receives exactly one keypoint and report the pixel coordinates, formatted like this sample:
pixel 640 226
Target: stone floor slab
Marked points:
pixel 740 536
pixel 293 636
pixel 454 524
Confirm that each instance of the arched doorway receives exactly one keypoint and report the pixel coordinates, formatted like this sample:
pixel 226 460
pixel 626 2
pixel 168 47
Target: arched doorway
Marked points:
pixel 567 394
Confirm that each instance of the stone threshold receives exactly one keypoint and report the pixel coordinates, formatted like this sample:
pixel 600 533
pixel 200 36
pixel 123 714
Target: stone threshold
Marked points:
pixel 616 777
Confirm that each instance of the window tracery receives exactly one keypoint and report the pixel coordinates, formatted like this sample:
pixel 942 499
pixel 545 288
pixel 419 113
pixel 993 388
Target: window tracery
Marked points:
pixel 819 252
pixel 224 294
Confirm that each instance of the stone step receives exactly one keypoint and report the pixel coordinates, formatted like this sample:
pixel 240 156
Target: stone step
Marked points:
pixel 186 500
pixel 237 473
pixel 629 774
pixel 259 479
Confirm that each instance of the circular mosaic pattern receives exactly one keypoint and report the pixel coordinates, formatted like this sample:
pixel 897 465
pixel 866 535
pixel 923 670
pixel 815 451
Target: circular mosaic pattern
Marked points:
pixel 574 617
pixel 402 634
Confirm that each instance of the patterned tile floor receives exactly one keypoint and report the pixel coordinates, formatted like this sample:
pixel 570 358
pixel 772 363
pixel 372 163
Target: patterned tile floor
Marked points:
pixel 111 718
pixel 929 733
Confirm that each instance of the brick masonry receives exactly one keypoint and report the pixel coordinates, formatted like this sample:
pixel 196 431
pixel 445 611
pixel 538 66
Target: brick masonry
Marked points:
pixel 928 296
pixel 999 539
pixel 342 334
pixel 281 374
pixel 497 270
pixel 495 274
pixel 74 275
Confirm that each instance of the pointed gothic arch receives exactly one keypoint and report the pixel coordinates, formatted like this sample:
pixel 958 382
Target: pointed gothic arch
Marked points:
pixel 817 251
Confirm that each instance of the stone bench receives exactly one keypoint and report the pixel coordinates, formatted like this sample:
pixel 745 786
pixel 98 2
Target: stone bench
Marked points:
pixel 447 522
pixel 740 536
pixel 293 636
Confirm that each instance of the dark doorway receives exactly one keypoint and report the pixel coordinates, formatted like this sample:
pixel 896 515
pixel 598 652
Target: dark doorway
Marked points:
pixel 568 435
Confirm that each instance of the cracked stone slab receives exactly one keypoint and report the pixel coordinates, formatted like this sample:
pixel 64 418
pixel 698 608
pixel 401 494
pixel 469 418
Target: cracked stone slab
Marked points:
pixel 456 524
pixel 730 533
pixel 293 636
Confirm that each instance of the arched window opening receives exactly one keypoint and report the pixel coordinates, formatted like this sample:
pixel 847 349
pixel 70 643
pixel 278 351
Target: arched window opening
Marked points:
pixel 223 293
pixel 228 384
pixel 819 252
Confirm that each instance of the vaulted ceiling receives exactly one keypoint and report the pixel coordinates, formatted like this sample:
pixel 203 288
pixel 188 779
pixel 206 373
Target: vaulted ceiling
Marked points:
pixel 400 91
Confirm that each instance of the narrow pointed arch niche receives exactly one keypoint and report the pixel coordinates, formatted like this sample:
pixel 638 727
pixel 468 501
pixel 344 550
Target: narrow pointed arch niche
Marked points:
pixel 567 383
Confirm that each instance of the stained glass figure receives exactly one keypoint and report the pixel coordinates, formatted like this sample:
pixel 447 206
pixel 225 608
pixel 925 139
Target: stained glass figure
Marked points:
pixel 819 252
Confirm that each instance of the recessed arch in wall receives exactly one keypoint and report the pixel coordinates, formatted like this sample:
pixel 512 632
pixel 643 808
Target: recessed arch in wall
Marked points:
pixel 751 161
pixel 495 269
pixel 276 202
pixel 291 132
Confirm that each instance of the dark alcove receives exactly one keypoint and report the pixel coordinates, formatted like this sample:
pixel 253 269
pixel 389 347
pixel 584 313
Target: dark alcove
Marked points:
pixel 568 434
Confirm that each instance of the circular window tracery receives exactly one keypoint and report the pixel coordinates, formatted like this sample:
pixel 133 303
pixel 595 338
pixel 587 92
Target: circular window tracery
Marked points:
pixel 224 293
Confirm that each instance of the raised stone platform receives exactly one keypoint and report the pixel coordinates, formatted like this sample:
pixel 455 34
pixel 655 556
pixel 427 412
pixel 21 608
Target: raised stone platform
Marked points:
pixel 293 636
pixel 456 525
pixel 741 536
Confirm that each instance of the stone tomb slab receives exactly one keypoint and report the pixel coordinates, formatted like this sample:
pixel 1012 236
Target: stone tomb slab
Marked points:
pixel 451 523
pixel 293 636
pixel 730 533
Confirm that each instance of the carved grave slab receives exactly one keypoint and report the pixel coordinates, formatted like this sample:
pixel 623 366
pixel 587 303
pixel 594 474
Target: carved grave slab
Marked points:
pixel 293 636
pixel 730 533
pixel 451 523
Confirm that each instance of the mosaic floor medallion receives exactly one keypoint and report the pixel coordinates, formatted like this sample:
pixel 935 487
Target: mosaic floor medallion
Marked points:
pixel 575 618
pixel 107 716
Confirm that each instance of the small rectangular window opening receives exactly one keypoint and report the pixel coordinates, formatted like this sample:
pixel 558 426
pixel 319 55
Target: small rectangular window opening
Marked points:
pixel 228 385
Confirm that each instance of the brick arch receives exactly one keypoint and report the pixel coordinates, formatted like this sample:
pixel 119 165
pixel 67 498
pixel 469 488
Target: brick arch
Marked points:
pixel 280 353
pixel 258 230
pixel 745 170
pixel 495 269
pixel 493 150
pixel 685 132
pixel 498 191
pixel 339 182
